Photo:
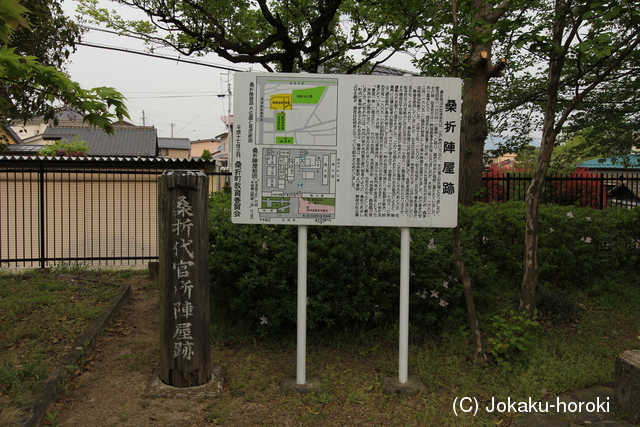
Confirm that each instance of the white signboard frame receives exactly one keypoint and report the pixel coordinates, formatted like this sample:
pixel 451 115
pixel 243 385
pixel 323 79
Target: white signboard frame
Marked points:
pixel 330 149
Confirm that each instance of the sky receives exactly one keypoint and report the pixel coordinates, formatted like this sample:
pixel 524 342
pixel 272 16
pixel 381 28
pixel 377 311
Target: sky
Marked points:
pixel 181 100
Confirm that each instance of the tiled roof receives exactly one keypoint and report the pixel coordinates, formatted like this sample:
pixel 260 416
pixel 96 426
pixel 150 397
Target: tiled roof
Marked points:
pixel 384 70
pixel 24 148
pixel 163 161
pixel 623 162
pixel 174 143
pixel 125 141
pixel 12 133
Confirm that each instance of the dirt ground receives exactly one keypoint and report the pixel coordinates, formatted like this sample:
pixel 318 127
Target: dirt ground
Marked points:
pixel 108 390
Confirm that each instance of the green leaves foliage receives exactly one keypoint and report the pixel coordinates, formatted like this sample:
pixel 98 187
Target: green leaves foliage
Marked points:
pixel 11 12
pixel 510 336
pixel 353 276
pixel 20 74
pixel 280 35
pixel 75 148
pixel 598 45
pixel 353 272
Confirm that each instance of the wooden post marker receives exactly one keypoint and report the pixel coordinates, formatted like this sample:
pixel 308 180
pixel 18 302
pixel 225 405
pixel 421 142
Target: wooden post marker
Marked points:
pixel 184 278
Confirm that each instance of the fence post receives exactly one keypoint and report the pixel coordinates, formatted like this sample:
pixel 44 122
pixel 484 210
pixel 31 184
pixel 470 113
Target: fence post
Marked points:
pixel 603 194
pixel 184 278
pixel 43 237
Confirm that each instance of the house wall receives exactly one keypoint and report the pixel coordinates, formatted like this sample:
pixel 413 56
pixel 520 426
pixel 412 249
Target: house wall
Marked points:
pixel 197 148
pixel 114 216
pixel 29 130
pixel 6 138
pixel 635 173
pixel 173 153
pixel 504 157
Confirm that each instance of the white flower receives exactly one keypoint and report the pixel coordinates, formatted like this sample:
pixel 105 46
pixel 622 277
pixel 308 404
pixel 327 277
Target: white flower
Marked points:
pixel 264 246
pixel 586 239
pixel 434 294
pixel 550 230
pixel 424 294
pixel 418 293
pixel 443 303
pixel 263 320
pixel 445 284
pixel 569 214
pixel 432 245
pixel 588 218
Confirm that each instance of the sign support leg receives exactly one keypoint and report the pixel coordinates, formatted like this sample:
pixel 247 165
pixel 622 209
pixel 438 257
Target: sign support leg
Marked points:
pixel 405 239
pixel 301 366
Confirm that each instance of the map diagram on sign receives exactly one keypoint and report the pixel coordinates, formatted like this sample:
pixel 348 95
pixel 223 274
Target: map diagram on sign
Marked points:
pixel 298 183
pixel 297 111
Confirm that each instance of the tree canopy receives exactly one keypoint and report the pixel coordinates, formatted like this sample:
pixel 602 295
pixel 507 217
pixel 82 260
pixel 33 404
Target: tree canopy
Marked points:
pixel 279 35
pixel 29 87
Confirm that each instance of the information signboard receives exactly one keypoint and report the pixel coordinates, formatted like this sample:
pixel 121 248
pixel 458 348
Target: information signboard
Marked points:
pixel 345 150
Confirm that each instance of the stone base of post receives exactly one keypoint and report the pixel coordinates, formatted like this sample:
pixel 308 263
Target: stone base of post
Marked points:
pixel 626 398
pixel 289 385
pixel 158 389
pixel 391 385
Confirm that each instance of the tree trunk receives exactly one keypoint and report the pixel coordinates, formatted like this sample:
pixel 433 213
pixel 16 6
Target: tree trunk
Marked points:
pixel 473 133
pixel 473 130
pixel 549 133
pixel 476 335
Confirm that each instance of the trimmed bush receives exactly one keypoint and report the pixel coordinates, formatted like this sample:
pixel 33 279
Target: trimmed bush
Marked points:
pixel 353 272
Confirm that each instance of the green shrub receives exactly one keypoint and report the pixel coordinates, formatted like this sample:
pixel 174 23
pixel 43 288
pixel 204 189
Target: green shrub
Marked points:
pixel 353 276
pixel 75 148
pixel 353 272
pixel 510 336
pixel 556 305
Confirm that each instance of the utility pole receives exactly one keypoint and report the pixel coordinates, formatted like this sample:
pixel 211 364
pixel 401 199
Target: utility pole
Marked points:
pixel 143 119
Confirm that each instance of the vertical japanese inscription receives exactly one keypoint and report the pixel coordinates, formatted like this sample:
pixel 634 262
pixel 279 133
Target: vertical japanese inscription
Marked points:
pixel 183 267
pixel 398 156
pixel 184 278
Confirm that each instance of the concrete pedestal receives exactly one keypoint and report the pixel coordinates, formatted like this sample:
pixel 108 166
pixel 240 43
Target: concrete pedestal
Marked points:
pixel 626 396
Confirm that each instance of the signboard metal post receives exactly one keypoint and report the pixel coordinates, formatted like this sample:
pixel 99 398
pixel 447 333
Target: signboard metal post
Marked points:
pixel 301 366
pixel 403 364
pixel 326 149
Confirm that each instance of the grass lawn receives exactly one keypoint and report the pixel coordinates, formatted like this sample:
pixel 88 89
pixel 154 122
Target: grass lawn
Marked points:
pixel 41 315
pixel 563 356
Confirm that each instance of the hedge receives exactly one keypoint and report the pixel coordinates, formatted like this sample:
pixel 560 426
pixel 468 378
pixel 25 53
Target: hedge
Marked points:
pixel 353 272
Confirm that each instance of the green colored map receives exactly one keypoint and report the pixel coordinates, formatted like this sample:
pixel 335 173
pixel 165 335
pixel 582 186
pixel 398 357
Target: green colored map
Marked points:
pixel 308 96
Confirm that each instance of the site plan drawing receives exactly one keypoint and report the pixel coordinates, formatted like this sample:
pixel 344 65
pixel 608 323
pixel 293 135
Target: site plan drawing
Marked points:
pixel 330 149
pixel 298 184
pixel 297 111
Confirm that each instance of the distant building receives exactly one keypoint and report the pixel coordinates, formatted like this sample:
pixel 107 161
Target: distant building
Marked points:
pixel 212 144
pixel 175 148
pixel 627 164
pixel 128 141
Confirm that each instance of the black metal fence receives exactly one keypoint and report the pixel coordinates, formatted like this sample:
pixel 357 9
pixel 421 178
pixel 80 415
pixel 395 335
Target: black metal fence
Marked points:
pixel 102 211
pixel 598 191
pixel 98 211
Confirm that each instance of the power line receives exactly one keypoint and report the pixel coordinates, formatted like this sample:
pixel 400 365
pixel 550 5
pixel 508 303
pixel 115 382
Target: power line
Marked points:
pixel 169 96
pixel 153 55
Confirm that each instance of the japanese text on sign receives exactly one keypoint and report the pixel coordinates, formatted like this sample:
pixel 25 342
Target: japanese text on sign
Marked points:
pixel 346 150
pixel 183 267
